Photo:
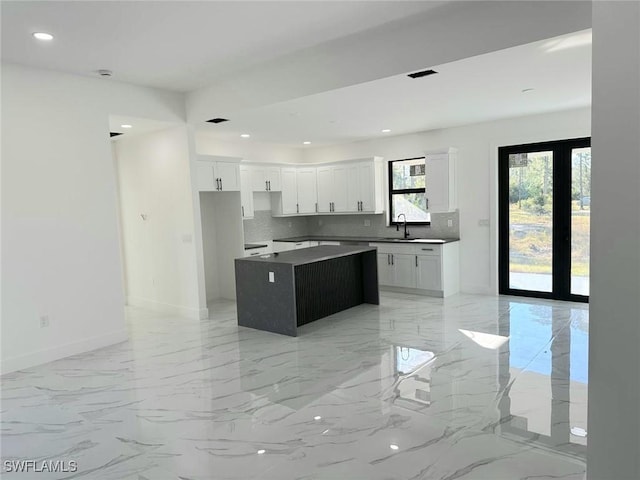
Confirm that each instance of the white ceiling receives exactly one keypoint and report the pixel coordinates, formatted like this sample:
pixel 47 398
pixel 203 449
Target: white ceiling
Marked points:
pixel 476 89
pixel 180 45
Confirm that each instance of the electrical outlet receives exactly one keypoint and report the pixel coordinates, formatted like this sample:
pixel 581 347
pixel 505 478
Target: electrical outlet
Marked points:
pixel 44 321
pixel 449 223
pixel 367 223
pixel 272 277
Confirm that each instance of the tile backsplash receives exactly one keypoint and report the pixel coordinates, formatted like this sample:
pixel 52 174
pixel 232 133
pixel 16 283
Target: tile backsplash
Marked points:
pixel 354 225
pixel 265 227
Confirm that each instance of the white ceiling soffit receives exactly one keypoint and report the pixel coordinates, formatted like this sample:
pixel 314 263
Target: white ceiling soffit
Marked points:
pixel 477 89
pixel 136 126
pixel 179 45
pixel 447 32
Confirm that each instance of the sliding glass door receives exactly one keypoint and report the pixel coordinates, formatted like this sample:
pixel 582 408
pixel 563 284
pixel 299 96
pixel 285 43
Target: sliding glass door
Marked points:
pixel 545 201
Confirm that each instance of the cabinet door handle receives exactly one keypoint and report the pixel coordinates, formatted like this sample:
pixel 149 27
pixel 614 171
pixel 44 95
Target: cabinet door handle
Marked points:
pixel 416 260
pixel 388 259
pixel 242 210
pixel 220 184
pixel 427 206
pixel 269 184
pixel 392 259
pixel 428 249
pixel 266 185
pixel 360 205
pixel 316 207
pixel 297 208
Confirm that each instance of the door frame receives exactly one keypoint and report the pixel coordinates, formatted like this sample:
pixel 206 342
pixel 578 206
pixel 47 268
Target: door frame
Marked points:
pixel 561 218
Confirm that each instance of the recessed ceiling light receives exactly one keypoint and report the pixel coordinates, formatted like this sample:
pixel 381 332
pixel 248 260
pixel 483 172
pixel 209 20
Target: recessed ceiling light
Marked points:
pixel 126 126
pixel 260 452
pixel 394 446
pixel 386 130
pixel 245 135
pixel 527 90
pixel 317 417
pixel 43 36
pixel 306 143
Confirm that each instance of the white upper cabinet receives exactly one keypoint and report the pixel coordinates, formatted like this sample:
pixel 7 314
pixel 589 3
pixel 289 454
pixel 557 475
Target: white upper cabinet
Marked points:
pixel 441 192
pixel 206 179
pixel 307 190
pixel 229 175
pixel 325 189
pixel 287 203
pixel 351 187
pixel 333 189
pixel 218 174
pixel 266 178
pixel 370 186
pixel 246 192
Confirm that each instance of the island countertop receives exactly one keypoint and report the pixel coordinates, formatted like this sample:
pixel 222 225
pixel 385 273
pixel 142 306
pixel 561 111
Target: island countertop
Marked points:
pixel 304 256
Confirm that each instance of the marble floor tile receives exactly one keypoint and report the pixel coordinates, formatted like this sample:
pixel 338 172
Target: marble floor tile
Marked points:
pixel 469 387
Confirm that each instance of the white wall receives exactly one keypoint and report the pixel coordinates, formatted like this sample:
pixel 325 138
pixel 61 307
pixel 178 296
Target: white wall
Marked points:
pixel 477 175
pixel 159 252
pixel 60 246
pixel 613 450
pixel 249 150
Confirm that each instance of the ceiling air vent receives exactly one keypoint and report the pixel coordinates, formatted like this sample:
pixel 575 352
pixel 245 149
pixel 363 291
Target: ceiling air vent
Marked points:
pixel 423 73
pixel 218 120
pixel 114 134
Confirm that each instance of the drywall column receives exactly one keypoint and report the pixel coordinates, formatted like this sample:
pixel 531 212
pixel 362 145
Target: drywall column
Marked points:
pixel 614 343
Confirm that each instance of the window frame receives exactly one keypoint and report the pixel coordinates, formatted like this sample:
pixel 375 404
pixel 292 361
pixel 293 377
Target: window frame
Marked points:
pixel 392 192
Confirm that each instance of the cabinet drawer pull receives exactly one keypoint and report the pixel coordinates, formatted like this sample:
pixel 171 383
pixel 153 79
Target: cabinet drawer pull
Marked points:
pixel 428 249
pixel 298 243
pixel 254 253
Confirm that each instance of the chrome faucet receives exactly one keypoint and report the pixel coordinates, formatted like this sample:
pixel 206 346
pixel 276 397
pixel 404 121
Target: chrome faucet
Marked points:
pixel 406 233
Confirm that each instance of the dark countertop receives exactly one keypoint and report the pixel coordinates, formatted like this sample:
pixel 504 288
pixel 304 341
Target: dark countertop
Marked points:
pixel 328 238
pixel 308 255
pixel 249 246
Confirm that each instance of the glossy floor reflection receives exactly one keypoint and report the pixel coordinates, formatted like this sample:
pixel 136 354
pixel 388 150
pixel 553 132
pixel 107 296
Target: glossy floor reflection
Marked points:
pixel 469 387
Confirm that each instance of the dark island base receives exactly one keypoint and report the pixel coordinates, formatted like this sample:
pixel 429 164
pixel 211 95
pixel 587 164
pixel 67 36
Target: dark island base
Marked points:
pixel 304 292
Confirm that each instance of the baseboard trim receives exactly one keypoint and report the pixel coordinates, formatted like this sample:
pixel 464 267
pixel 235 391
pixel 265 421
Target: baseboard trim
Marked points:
pixel 477 290
pixel 412 291
pixel 181 311
pixel 62 351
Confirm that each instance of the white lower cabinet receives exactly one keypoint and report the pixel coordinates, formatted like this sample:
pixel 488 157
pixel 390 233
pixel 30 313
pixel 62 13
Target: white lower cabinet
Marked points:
pixel 404 270
pixel 428 272
pixel 419 268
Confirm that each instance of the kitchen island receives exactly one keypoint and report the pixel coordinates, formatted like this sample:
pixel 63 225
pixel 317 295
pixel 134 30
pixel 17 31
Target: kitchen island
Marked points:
pixel 282 291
